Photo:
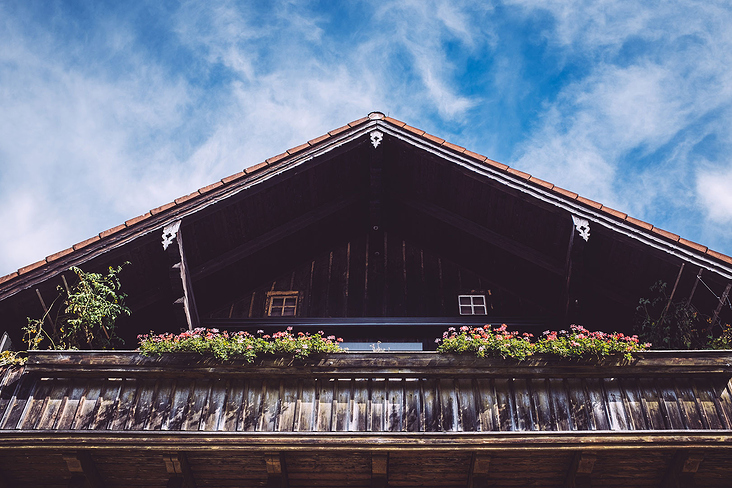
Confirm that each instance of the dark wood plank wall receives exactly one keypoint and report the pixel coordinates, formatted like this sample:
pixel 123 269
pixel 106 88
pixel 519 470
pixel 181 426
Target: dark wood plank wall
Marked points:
pixel 418 283
pixel 357 404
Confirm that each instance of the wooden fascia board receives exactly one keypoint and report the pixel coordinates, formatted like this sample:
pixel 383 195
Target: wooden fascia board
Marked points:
pixel 573 206
pixel 363 365
pixel 363 441
pixel 183 212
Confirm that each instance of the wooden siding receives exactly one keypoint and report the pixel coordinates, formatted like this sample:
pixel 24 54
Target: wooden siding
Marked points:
pixel 416 283
pixel 208 400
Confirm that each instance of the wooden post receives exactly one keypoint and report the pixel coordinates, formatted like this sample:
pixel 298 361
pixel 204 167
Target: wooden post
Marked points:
pixel 574 270
pixel 276 470
pixel 46 311
pixel 180 277
pixel 179 471
pixel 580 470
pixel 479 470
pixel 681 471
pixel 379 469
pixel 693 288
pixel 83 470
pixel 671 296
pixel 376 258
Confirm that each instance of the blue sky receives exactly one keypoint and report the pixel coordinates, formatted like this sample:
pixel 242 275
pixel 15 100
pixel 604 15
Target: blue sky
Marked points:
pixel 108 109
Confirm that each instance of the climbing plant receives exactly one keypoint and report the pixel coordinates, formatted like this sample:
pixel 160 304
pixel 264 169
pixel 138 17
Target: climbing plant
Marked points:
pixel 86 315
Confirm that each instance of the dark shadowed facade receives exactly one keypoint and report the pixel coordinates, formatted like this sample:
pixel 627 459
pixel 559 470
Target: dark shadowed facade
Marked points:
pixel 375 231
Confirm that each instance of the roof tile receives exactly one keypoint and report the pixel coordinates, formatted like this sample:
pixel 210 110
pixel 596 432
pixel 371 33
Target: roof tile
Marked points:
pixel 496 164
pixel 60 254
pixel 211 187
pixel 111 231
pixel 318 140
pixel 693 245
pixel 297 149
pixel 475 155
pixel 639 223
pixel 454 147
pixel 8 277
pixel 543 183
pixel 396 122
pixel 413 130
pixel 518 173
pixel 85 243
pixel 31 267
pixel 432 138
pixel 255 168
pixel 358 122
pixel 720 256
pixel 666 234
pixel 185 198
pixel 338 130
pixel 139 218
pixel 589 202
pixel 274 159
pixel 235 176
pixel 564 192
pixel 614 213
pixel 162 208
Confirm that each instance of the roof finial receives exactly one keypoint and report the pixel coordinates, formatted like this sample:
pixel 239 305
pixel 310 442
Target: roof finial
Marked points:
pixel 376 116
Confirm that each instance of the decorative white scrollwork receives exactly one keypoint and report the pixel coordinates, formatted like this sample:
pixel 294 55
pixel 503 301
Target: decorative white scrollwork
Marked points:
pixel 376 137
pixel 169 232
pixel 582 226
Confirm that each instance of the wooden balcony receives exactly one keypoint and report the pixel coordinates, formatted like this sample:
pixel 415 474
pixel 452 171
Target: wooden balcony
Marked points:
pixel 365 419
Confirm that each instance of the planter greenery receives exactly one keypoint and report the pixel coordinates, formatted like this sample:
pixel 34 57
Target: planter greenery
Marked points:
pixel 576 343
pixel 238 345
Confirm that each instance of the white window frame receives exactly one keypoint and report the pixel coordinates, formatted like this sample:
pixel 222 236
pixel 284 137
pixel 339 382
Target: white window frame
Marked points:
pixel 470 305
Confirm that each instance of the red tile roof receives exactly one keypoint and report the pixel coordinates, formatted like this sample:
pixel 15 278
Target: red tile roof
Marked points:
pixel 325 137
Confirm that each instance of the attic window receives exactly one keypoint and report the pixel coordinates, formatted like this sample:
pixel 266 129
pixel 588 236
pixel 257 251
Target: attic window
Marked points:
pixel 282 303
pixel 472 305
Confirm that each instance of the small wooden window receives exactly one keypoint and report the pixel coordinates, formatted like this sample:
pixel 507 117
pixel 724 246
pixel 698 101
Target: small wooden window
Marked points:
pixel 472 305
pixel 282 303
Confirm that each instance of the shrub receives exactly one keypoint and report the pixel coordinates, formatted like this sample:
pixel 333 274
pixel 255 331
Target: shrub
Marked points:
pixel 238 345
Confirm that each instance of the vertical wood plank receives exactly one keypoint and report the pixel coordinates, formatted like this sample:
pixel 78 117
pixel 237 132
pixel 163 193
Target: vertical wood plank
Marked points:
pixel 467 407
pixel 16 406
pixel 307 406
pixel 183 390
pixel 506 421
pixel 106 403
pixel 669 403
pixel 11 383
pixel 342 403
pixel 487 405
pixel 524 417
pixel 88 405
pixel 413 405
pixel 70 405
pixel 431 404
pixel 615 404
pixel 395 405
pixel 636 413
pixel 560 404
pixel 325 405
pixel 359 408
pixel 724 400
pixel 161 405
pixel 36 403
pixel 704 391
pixel 357 277
pixel 288 406
pixel 544 419
pixel 449 410
pixel 687 403
pixel 213 409
pixel 124 403
pixel 270 405
pixel 578 404
pixel 196 400
pixel 253 405
pixel 651 402
pixel 598 408
pixel 234 404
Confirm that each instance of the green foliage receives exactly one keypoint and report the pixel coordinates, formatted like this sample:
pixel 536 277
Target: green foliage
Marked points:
pixel 581 343
pixel 577 343
pixel 238 345
pixel 12 358
pixel 680 327
pixel 484 341
pixel 86 315
pixel 724 341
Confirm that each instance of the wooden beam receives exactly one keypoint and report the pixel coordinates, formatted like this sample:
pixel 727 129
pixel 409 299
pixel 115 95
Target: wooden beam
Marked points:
pixel 491 237
pixel 267 239
pixel 46 311
pixel 681 471
pixel 693 288
pixel 83 470
pixel 180 277
pixel 580 470
pixel 574 265
pixel 379 469
pixel 480 464
pixel 722 300
pixel 671 296
pixel 276 470
pixel 376 244
pixel 179 471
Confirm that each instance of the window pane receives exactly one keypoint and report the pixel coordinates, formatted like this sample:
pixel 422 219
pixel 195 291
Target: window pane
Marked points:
pixel 276 312
pixel 277 302
pixel 290 301
pixel 288 311
pixel 466 310
pixel 479 310
pixel 479 300
pixel 464 300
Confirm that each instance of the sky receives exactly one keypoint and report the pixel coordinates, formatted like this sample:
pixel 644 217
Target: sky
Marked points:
pixel 109 109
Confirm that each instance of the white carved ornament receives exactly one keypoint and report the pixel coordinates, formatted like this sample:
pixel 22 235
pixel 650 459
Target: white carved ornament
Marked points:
pixel 582 226
pixel 169 232
pixel 376 137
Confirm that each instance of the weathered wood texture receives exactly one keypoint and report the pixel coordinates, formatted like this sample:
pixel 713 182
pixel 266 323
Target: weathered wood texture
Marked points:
pixel 412 282
pixel 448 400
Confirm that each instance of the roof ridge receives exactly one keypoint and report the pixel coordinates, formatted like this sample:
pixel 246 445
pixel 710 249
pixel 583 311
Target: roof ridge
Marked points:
pixel 259 167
